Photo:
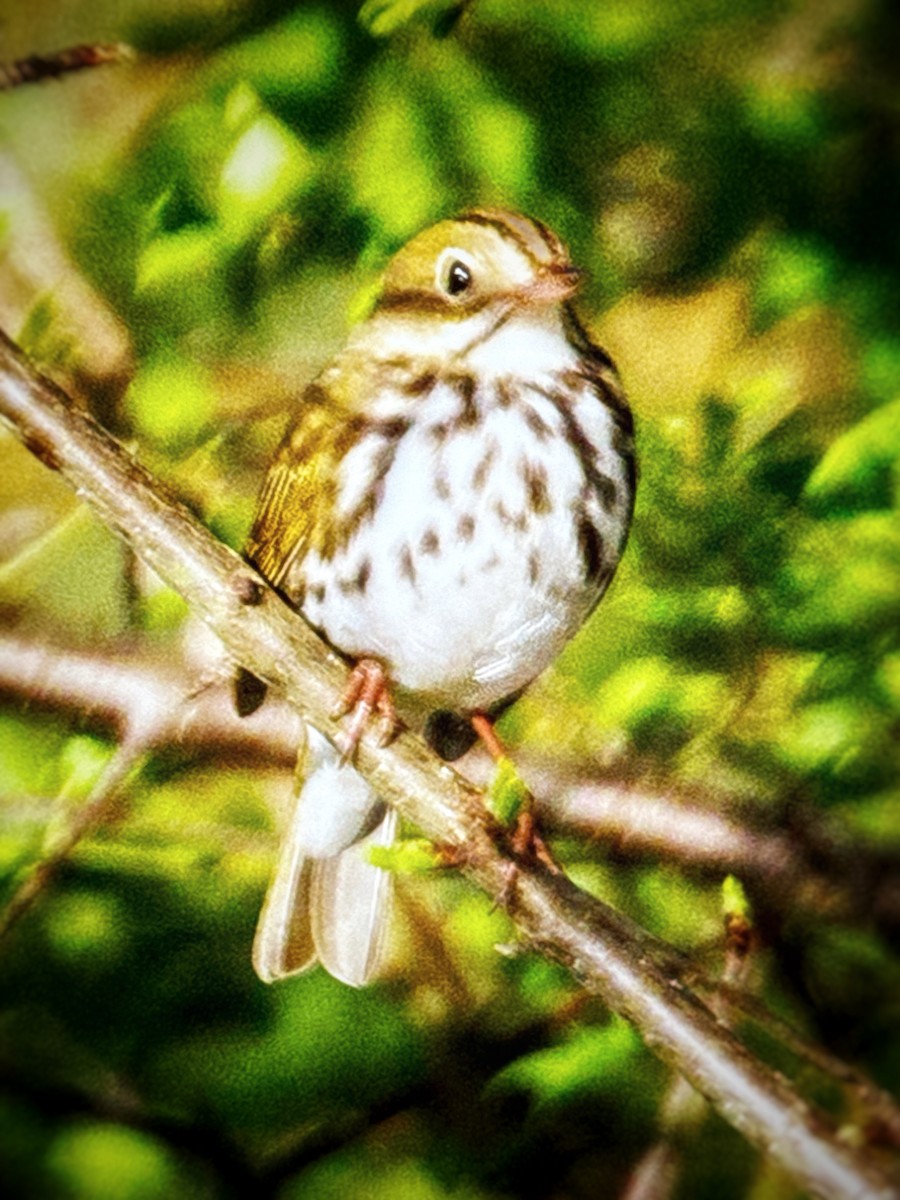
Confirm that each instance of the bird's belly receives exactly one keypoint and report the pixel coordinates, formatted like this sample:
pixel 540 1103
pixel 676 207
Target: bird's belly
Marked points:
pixel 470 573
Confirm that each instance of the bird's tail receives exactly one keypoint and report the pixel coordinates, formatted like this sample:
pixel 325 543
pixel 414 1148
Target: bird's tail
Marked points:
pixel 327 902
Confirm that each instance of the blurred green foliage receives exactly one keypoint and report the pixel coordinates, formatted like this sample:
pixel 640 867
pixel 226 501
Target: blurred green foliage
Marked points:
pixel 727 173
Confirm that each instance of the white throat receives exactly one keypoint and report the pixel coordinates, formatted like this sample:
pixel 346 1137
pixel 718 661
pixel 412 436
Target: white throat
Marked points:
pixel 529 342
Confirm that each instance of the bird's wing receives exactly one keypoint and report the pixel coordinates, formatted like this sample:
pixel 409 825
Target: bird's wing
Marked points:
pixel 298 491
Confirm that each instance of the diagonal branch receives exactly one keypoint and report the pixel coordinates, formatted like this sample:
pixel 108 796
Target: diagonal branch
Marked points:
pixel 127 692
pixel 602 948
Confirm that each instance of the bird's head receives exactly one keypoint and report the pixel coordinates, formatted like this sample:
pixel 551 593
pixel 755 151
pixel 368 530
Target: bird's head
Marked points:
pixel 485 259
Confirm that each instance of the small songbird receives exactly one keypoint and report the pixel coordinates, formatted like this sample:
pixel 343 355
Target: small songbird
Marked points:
pixel 447 509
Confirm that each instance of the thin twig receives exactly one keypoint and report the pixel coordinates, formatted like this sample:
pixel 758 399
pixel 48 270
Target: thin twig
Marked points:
pixel 606 951
pixel 38 67
pixel 105 795
pixel 635 822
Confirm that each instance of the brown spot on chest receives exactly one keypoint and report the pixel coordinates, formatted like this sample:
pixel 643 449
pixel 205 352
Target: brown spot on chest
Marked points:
pixel 360 580
pixel 519 522
pixel 421 385
pixel 604 487
pixel 430 543
pixel 466 387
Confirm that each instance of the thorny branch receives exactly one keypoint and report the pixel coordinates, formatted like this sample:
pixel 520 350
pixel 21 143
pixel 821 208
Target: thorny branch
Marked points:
pixel 608 953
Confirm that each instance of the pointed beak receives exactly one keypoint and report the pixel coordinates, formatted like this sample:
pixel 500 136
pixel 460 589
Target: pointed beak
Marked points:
pixel 556 283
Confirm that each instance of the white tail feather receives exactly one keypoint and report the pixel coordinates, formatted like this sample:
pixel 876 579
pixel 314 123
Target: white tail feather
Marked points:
pixel 327 902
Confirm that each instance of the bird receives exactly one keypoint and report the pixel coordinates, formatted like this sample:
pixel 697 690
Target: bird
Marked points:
pixel 446 509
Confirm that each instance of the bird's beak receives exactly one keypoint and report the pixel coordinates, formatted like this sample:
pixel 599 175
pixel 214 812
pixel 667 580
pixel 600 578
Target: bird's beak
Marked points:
pixel 557 282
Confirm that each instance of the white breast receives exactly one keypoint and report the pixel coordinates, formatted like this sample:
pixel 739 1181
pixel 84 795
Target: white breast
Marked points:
pixel 470 575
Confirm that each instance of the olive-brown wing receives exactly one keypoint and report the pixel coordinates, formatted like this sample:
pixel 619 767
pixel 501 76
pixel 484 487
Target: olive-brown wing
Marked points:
pixel 297 496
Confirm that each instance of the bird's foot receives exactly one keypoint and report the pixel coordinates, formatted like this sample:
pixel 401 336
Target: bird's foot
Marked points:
pixel 367 693
pixel 527 842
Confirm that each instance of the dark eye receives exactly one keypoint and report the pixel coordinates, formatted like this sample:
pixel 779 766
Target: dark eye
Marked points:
pixel 459 277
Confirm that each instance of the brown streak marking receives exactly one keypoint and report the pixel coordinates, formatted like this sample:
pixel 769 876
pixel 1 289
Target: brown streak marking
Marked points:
pixel 505 231
pixel 430 543
pixel 590 545
pixel 504 392
pixel 418 300
pixel 392 430
pixel 534 567
pixel 535 476
pixel 407 567
pixel 604 487
pixel 466 387
pixel 536 423
pixel 611 397
pixel 552 242
pixel 480 474
pixel 519 522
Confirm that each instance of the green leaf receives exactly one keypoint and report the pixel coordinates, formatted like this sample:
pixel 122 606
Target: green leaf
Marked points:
pixel 384 17
pixel 735 901
pixel 409 856
pixel 171 400
pixel 506 793
pixel 861 469
pixel 588 1062
pixel 91 1159
pixel 267 168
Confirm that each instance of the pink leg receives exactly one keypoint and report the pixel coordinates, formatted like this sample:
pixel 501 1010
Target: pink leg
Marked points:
pixel 367 692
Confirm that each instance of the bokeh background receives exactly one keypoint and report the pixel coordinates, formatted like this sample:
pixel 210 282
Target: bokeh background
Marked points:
pixel 184 240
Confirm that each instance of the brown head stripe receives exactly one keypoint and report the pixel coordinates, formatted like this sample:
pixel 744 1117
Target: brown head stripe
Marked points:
pixel 531 237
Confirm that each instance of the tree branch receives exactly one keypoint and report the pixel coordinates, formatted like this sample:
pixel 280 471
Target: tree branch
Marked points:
pixel 135 694
pixel 38 67
pixel 602 948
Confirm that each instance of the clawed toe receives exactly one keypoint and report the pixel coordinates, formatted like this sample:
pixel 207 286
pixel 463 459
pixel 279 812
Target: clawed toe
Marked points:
pixel 367 693
pixel 528 844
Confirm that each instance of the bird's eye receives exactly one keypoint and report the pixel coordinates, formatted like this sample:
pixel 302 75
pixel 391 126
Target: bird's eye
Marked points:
pixel 457 279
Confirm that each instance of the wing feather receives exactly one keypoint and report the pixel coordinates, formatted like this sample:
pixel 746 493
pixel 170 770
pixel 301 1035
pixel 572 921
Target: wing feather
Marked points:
pixel 298 491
